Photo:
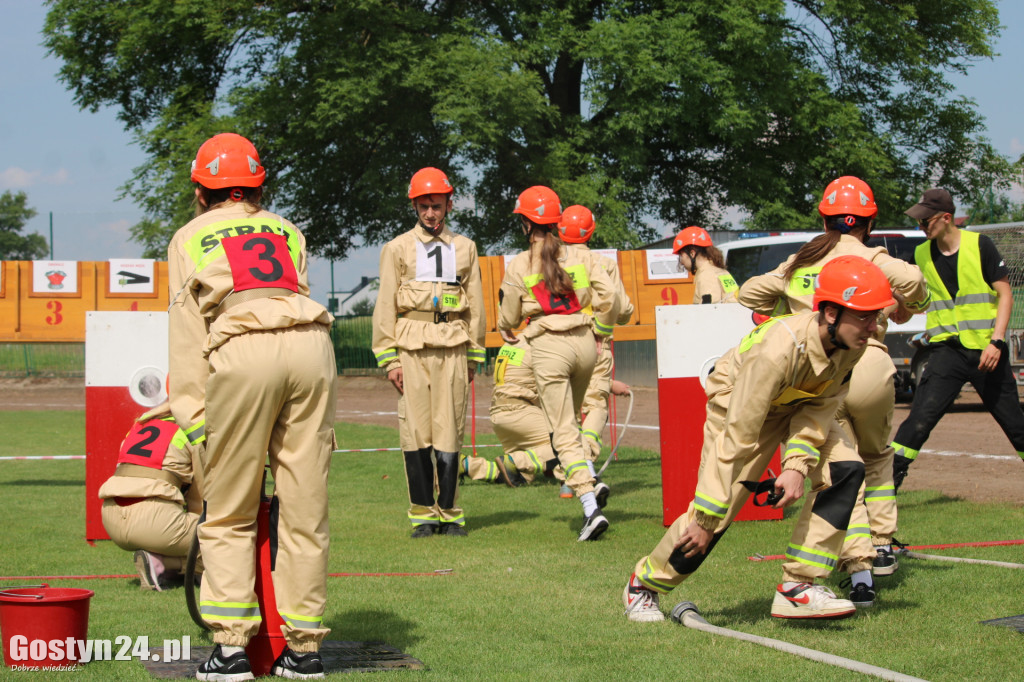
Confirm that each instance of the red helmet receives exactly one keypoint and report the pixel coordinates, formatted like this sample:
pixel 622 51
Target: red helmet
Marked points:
pixel 853 282
pixel 228 160
pixel 429 181
pixel 697 236
pixel 848 196
pixel 540 204
pixel 576 225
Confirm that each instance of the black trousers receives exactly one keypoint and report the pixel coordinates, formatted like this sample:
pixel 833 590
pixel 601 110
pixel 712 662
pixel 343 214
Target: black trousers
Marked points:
pixel 949 368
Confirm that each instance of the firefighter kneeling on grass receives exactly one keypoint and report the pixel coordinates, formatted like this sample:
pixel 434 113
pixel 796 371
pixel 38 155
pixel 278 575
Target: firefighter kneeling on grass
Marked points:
pixel 781 385
pixel 152 502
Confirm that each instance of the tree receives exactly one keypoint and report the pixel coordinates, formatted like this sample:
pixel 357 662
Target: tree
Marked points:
pixel 642 110
pixel 14 213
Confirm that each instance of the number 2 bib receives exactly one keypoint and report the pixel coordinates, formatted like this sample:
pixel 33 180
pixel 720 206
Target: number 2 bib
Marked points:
pixel 147 442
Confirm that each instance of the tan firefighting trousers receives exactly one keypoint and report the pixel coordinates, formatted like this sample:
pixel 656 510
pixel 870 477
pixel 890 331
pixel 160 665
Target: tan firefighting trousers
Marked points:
pixel 522 429
pixel 268 392
pixel 562 365
pixel 431 423
pixel 866 416
pixel 595 404
pixel 153 524
pixel 815 543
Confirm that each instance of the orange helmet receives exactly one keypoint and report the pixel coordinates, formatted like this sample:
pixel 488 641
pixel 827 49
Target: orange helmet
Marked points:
pixel 540 204
pixel 848 196
pixel 697 236
pixel 429 181
pixel 853 282
pixel 576 224
pixel 228 160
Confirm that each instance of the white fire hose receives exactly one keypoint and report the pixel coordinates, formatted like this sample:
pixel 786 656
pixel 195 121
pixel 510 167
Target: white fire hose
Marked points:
pixel 962 560
pixel 685 613
pixel 618 442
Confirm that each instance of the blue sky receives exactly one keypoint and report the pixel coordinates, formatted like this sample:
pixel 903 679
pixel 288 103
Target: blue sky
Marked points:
pixel 72 162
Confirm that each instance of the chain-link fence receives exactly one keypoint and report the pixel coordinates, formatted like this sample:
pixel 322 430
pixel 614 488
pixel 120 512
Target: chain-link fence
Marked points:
pixel 19 360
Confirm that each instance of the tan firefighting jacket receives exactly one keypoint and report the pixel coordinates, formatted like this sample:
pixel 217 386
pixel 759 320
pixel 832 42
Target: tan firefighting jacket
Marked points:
pixel 181 459
pixel 773 294
pixel 201 278
pixel 612 268
pixel 423 276
pixel 778 371
pixel 594 289
pixel 716 282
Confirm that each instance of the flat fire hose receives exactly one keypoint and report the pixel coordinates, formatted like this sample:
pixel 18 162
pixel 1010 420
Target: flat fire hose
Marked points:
pixel 618 442
pixel 958 559
pixel 686 613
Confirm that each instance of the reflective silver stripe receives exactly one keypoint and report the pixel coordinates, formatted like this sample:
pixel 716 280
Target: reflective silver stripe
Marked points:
pixel 978 324
pixel 709 505
pixel 197 433
pixel 968 299
pixel 603 329
pixel 904 451
pixel 795 447
pixel 806 556
pixel 882 492
pixel 306 622
pixel 232 611
pixel 574 467
pixel 941 304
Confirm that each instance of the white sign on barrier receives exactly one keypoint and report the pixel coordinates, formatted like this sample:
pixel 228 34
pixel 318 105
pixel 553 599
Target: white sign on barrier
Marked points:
pixel 690 338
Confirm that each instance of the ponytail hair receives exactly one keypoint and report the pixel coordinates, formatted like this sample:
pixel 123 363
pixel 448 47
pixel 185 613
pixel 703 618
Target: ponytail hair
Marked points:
pixel 813 251
pixel 558 280
pixel 715 256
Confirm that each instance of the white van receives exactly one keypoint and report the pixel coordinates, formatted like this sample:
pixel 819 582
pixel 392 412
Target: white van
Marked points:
pixel 745 258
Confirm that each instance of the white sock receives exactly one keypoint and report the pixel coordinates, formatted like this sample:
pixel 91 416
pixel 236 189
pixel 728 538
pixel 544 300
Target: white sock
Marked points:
pixel 589 504
pixel 230 650
pixel 787 586
pixel 861 578
pixel 887 548
pixel 590 466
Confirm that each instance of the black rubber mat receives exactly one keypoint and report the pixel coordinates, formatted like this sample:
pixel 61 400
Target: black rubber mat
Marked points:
pixel 339 657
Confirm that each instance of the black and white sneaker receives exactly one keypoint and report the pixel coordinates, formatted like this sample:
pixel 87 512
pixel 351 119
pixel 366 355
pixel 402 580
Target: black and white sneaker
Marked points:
pixel 221 668
pixel 593 526
pixel 862 595
pixel 150 569
pixel 293 666
pixel 885 562
pixel 601 493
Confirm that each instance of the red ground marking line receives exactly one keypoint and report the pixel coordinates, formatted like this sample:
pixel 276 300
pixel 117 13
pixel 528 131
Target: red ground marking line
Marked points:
pixel 951 545
pixel 440 571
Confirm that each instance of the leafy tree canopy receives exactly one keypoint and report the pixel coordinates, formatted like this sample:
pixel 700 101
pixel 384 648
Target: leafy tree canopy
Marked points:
pixel 644 111
pixel 14 213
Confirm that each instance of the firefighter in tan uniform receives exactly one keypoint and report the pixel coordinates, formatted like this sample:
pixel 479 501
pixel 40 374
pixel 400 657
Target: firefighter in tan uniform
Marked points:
pixel 428 335
pixel 151 504
pixel 519 423
pixel 781 385
pixel 248 343
pixel 576 227
pixel 712 283
pixel 848 209
pixel 570 301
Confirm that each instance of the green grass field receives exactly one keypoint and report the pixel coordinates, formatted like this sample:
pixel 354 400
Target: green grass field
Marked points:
pixel 524 600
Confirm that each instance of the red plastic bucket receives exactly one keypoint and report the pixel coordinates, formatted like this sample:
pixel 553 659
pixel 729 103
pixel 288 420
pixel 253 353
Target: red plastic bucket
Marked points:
pixel 36 623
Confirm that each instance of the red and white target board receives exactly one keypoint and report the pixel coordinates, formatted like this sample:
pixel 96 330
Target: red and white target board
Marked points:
pixel 690 339
pixel 126 362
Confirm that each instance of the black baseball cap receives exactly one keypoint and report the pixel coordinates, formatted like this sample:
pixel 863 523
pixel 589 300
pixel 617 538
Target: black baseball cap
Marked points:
pixel 933 201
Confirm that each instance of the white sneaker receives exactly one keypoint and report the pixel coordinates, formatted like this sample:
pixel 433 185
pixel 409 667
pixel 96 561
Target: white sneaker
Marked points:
pixel 641 603
pixel 601 492
pixel 805 600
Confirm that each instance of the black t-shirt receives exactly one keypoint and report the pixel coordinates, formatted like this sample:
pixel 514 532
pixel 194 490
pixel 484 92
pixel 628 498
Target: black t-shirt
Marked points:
pixel 993 267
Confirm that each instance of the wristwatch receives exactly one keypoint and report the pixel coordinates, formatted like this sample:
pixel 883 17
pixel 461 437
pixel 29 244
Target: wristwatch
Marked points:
pixel 998 343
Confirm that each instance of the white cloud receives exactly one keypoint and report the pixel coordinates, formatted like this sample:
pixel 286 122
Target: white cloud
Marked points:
pixel 19 178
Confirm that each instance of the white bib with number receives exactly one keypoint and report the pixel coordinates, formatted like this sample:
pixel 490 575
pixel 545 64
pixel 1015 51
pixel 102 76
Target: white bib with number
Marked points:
pixel 435 262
